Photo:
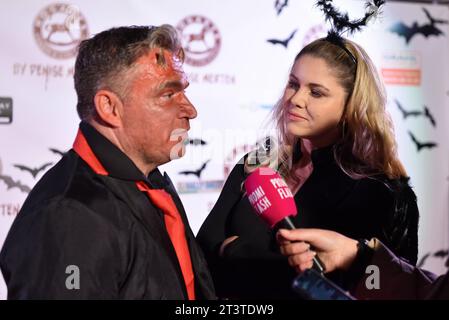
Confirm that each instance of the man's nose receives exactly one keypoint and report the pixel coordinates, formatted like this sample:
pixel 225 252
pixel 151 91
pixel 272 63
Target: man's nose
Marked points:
pixel 189 109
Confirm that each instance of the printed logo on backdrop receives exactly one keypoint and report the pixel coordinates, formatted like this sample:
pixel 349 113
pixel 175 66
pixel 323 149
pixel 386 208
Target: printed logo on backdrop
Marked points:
pixel 58 30
pixel 236 154
pixel 197 184
pixel 314 33
pixel 202 42
pixel 200 38
pixel 5 110
pixel 257 107
pixel 401 68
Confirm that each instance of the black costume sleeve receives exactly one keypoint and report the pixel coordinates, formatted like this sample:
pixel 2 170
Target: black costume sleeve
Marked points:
pixel 64 233
pixel 246 269
pixel 400 280
pixel 213 230
pixel 401 233
pixel 391 215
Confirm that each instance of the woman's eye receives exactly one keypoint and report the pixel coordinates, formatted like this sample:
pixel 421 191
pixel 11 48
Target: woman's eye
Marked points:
pixel 293 85
pixel 316 94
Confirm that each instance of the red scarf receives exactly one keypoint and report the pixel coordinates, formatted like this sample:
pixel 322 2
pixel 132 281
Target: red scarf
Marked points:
pixel 161 199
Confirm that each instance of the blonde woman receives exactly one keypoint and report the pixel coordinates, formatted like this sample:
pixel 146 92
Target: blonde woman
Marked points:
pixel 337 152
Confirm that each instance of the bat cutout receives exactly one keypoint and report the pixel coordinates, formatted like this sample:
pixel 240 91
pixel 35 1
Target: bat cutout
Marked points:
pixel 10 184
pixel 406 113
pixel 421 145
pixel 283 42
pixel 279 5
pixel 437 254
pixel 33 171
pixel 415 113
pixel 58 152
pixel 427 30
pixel 429 116
pixel 196 172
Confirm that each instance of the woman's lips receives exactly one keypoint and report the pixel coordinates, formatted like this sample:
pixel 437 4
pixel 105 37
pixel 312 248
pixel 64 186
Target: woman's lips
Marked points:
pixel 295 117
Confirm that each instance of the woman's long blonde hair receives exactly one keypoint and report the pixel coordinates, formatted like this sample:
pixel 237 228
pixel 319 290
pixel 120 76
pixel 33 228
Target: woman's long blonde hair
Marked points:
pixel 367 146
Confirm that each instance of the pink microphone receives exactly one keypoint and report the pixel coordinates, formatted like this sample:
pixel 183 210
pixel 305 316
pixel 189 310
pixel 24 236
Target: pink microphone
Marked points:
pixel 270 196
pixel 272 200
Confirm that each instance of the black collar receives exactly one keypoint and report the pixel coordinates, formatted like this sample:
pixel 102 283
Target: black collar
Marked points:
pixel 322 156
pixel 118 164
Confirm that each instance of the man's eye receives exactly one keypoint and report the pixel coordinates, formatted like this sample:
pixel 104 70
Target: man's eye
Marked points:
pixel 168 95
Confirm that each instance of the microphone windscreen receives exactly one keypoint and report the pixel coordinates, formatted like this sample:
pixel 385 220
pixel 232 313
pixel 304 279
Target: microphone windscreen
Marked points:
pixel 269 196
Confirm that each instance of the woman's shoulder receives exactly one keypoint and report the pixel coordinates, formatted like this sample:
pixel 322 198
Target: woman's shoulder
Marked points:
pixel 383 188
pixel 381 181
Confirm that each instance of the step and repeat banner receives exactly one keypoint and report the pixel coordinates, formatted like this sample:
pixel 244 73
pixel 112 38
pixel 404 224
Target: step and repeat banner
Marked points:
pixel 238 55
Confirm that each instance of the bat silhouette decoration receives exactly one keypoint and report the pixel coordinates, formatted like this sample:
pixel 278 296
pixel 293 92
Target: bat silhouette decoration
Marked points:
pixel 196 172
pixel 429 116
pixel 415 113
pixel 195 142
pixel 279 5
pixel 427 30
pixel 421 145
pixel 10 184
pixel 438 254
pixel 406 113
pixel 33 171
pixel 58 152
pixel 283 42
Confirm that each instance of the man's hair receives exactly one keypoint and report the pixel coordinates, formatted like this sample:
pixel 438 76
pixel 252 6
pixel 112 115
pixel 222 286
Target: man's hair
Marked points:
pixel 103 60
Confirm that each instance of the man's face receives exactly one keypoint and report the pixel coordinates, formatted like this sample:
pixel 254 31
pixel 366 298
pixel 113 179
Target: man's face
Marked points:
pixel 156 111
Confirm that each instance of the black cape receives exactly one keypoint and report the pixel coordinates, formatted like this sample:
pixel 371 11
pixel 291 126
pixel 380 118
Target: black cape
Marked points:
pixel 105 227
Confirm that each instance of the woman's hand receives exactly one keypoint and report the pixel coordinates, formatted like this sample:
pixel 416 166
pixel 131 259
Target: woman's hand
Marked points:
pixel 335 250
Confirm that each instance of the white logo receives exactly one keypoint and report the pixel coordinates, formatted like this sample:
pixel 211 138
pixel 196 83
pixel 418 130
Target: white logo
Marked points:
pixel 373 280
pixel 72 282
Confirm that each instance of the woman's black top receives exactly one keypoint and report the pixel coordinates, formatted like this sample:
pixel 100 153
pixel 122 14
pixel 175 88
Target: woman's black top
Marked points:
pixel 252 266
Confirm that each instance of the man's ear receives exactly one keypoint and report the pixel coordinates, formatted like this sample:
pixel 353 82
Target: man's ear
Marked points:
pixel 109 106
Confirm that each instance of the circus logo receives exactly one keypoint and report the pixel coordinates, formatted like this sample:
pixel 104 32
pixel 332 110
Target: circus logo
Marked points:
pixel 58 30
pixel 201 40
pixel 314 33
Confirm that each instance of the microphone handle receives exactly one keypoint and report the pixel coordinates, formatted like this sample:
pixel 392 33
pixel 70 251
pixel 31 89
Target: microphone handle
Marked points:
pixel 288 224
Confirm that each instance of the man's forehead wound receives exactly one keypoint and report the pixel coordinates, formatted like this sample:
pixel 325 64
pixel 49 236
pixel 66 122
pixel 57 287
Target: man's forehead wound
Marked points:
pixel 165 59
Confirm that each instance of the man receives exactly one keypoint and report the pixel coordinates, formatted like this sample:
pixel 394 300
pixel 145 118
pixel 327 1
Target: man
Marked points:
pixel 397 278
pixel 104 223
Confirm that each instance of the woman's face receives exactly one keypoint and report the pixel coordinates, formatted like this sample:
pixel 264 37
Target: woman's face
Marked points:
pixel 314 102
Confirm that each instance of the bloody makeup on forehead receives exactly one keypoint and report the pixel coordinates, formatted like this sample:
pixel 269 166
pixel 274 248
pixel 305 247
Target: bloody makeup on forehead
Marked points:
pixel 163 66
